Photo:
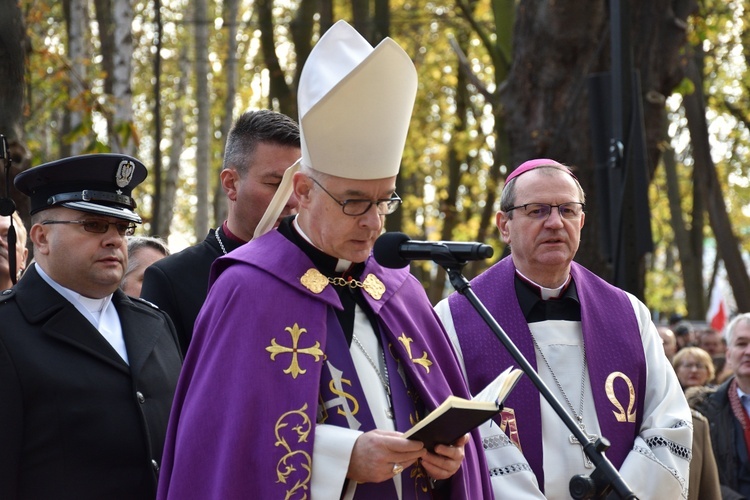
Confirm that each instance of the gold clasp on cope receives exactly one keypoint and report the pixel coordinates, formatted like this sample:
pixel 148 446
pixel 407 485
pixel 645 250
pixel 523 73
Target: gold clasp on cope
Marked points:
pixel 316 282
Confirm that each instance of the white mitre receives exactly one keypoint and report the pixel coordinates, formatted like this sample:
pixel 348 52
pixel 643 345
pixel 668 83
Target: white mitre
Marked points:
pixel 355 104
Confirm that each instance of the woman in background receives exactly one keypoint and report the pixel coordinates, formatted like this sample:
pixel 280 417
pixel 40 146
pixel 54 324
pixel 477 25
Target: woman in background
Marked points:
pixel 694 367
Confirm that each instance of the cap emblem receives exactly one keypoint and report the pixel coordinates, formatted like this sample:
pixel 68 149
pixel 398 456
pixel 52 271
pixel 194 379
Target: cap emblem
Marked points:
pixel 125 172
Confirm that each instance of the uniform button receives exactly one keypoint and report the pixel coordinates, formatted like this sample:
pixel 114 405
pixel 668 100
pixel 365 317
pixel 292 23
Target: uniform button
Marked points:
pixel 155 465
pixel 141 398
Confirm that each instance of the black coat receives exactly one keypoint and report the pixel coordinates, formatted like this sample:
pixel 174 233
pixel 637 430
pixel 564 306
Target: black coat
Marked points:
pixel 178 284
pixel 715 406
pixel 76 422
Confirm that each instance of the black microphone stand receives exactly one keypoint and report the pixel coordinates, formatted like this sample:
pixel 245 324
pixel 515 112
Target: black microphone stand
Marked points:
pixel 605 477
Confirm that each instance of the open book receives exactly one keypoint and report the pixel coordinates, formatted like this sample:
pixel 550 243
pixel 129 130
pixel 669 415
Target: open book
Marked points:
pixel 457 416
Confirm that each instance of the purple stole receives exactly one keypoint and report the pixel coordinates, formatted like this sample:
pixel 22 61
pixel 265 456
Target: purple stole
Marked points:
pixel 613 349
pixel 332 391
pixel 237 434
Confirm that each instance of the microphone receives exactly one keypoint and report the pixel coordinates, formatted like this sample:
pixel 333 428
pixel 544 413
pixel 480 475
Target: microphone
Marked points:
pixel 395 250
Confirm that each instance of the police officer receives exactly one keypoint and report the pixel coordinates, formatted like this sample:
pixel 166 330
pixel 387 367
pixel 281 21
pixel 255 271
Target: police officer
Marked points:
pixel 87 374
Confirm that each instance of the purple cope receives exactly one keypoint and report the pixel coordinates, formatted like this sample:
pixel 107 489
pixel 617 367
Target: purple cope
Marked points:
pixel 260 365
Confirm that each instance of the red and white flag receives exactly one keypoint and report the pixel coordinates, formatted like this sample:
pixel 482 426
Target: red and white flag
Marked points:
pixel 717 310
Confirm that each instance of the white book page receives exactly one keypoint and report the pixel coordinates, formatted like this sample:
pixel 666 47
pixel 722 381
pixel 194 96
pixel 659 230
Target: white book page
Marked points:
pixel 494 390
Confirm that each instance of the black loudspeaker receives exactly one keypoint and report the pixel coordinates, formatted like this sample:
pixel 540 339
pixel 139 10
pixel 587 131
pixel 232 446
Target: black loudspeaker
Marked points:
pixel 621 179
pixel 7 207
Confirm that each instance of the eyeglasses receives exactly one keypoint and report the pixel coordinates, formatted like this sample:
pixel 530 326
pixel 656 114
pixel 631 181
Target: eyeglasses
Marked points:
pixel 541 211
pixel 98 226
pixel 360 207
pixel 693 366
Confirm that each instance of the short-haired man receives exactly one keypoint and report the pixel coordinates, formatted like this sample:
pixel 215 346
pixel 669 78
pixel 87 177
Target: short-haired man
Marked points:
pixel 309 359
pixel 592 344
pixel 87 374
pixel 668 340
pixel 684 334
pixel 728 409
pixel 260 147
pixel 711 341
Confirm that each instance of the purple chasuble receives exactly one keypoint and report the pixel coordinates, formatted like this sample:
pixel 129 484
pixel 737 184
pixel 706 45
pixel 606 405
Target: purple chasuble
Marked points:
pixel 265 352
pixel 614 351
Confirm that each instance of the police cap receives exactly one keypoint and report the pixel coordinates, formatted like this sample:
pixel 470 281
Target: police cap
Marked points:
pixel 97 183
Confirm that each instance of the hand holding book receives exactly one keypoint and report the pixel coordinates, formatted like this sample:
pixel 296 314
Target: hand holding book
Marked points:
pixel 457 416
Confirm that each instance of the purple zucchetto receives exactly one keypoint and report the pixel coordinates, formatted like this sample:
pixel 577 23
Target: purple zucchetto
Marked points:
pixel 539 162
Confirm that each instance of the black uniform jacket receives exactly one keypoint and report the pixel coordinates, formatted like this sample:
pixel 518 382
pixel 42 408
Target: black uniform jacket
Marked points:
pixel 76 422
pixel 178 284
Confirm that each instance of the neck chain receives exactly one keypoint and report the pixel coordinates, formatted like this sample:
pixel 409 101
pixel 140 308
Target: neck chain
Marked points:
pixel 218 238
pixel 383 376
pixel 579 415
pixel 351 282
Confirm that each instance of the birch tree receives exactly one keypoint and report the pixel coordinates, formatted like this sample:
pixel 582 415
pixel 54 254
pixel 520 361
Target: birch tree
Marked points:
pixel 202 97
pixel 122 70
pixel 76 16
pixel 230 23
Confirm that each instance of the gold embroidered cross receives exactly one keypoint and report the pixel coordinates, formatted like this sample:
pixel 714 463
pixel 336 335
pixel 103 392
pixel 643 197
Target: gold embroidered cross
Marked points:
pixel 423 361
pixel 294 368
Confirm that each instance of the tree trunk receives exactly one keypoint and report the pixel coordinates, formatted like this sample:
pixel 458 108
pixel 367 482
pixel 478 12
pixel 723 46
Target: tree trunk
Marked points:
pixel 456 158
pixel 326 15
pixel 499 48
pixel 361 19
pixel 279 93
pixel 708 183
pixel 104 18
pixel 177 131
pixel 12 66
pixel 76 16
pixel 381 21
pixel 301 29
pixel 122 69
pixel 158 225
pixel 231 13
pixel 557 46
pixel 691 263
pixel 203 143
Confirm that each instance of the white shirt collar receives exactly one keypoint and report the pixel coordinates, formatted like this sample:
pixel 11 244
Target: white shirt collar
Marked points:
pixel 342 264
pixel 90 308
pixel 546 293
pixel 101 313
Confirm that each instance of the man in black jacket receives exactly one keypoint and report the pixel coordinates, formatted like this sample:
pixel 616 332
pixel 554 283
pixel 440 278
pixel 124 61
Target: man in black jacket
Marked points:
pixel 87 374
pixel 727 409
pixel 260 147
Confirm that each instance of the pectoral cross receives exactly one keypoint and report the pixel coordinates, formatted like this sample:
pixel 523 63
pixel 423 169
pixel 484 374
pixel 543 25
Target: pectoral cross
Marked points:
pixel 592 438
